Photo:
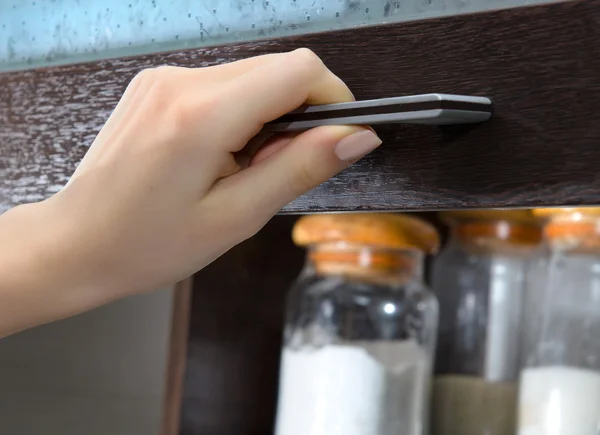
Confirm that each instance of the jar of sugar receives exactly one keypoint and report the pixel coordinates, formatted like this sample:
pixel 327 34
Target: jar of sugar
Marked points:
pixel 360 328
pixel 560 385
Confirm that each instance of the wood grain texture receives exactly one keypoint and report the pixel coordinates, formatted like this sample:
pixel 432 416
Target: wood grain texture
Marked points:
pixel 540 65
pixel 232 368
pixel 178 343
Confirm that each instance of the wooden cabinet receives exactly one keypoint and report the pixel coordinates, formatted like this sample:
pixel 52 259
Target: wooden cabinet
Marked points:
pixel 541 67
pixel 233 340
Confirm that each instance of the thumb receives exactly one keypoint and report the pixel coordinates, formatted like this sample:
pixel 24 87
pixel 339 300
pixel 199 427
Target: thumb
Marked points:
pixel 305 162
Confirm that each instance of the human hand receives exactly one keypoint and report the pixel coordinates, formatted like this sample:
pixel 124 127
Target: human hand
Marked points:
pixel 170 183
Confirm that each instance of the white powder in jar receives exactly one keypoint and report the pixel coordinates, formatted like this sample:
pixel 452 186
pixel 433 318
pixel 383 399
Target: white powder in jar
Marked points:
pixel 367 388
pixel 559 401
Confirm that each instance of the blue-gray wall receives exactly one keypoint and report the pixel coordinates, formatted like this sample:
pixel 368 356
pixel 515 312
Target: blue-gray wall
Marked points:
pixel 42 32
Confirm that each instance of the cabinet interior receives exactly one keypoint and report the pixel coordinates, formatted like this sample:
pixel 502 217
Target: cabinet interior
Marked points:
pixel 235 333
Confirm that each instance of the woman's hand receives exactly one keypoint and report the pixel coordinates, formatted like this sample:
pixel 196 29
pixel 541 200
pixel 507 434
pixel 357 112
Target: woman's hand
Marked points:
pixel 170 183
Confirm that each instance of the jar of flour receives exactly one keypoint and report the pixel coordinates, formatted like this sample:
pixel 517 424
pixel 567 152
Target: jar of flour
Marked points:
pixel 560 385
pixel 360 329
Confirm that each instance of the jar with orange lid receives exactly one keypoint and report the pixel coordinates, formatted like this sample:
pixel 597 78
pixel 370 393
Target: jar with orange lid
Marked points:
pixel 560 384
pixel 360 328
pixel 479 280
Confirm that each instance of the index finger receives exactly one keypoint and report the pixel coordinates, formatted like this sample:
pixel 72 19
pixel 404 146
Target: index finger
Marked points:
pixel 272 90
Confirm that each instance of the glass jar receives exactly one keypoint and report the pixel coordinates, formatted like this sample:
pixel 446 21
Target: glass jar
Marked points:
pixel 360 328
pixel 560 385
pixel 479 280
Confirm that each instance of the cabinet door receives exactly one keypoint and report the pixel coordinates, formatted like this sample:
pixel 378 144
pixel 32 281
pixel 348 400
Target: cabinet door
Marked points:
pixel 540 65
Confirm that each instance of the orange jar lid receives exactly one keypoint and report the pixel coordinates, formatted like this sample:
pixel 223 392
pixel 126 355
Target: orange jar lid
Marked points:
pixel 496 230
pixel 491 215
pixel 568 213
pixel 576 227
pixel 384 230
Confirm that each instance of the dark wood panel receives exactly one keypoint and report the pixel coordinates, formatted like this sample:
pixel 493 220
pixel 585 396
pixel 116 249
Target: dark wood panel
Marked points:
pixel 178 342
pixel 540 65
pixel 232 367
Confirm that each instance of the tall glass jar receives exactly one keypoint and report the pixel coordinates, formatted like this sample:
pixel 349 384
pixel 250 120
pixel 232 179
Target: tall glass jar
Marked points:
pixel 560 385
pixel 360 329
pixel 479 280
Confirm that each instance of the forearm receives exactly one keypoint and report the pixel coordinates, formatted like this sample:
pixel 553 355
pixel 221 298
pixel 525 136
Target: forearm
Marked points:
pixel 38 274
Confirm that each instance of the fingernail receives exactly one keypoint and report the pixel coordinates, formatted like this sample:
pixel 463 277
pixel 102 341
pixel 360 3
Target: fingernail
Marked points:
pixel 357 145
